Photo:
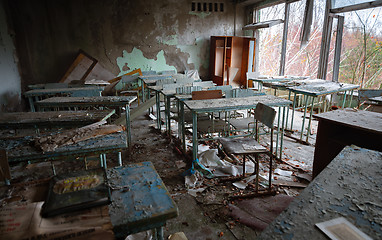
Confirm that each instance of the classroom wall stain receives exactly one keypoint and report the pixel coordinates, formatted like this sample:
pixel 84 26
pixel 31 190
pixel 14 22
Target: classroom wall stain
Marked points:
pixel 135 59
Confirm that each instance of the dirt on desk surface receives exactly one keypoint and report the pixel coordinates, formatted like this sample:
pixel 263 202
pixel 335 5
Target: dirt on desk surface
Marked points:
pixel 208 214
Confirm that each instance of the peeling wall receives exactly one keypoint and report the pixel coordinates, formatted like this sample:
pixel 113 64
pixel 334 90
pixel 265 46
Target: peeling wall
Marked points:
pixel 122 35
pixel 10 89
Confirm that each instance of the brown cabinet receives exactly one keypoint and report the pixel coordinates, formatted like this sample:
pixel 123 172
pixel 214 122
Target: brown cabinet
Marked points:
pixel 230 59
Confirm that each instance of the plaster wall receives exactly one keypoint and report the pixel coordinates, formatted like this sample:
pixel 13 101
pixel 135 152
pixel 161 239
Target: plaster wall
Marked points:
pixel 122 35
pixel 10 82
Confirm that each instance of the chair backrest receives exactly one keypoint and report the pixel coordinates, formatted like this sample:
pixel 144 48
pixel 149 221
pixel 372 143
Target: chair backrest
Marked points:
pixel 161 82
pixel 225 88
pixel 187 89
pixel 238 92
pixel 144 73
pixel 168 72
pixel 55 85
pixel 171 86
pixel 209 94
pixel 86 93
pixel 204 84
pixel 265 114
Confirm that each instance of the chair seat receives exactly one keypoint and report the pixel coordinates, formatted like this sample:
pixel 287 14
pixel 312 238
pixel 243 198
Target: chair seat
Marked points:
pixel 242 146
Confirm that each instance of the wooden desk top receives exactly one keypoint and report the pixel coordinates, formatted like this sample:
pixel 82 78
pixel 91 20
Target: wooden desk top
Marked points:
pixel 225 104
pixel 365 120
pixel 140 200
pixel 53 119
pixel 89 101
pixel 349 187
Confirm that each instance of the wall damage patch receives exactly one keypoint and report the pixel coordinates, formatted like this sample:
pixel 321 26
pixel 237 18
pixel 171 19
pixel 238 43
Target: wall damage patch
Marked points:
pixel 195 51
pixel 200 14
pixel 135 59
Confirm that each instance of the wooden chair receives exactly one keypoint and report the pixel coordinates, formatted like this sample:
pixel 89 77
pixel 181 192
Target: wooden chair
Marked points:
pixel 248 146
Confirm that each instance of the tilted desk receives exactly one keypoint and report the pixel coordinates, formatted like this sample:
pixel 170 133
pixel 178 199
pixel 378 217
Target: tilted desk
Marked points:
pixel 339 128
pixel 36 94
pixel 116 102
pixel 231 104
pixel 55 119
pixel 140 200
pixel 349 187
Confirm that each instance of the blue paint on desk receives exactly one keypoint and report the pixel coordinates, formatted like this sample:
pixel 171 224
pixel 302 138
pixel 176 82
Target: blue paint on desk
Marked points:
pixel 140 200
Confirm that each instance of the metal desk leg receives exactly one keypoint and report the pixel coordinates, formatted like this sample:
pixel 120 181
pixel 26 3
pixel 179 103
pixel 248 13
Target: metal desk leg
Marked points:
pixel 143 91
pixel 158 233
pixel 128 127
pixel 344 100
pixel 194 136
pixel 282 133
pixel 183 127
pixel 179 127
pixel 278 130
pixel 287 117
pixel 31 105
pixel 168 119
pixel 303 120
pixel 310 121
pixel 351 98
pixel 104 161
pixel 157 101
pixel 53 168
pixel 101 160
pixel 294 107
pixel 120 158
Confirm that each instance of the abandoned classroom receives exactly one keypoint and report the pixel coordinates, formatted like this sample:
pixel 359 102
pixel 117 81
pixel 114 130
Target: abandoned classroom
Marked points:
pixel 165 119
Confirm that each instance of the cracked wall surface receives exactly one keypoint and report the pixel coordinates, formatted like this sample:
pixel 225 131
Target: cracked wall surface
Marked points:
pixel 121 35
pixel 10 90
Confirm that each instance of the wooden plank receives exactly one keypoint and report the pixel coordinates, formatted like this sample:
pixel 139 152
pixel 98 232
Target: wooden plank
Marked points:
pixel 210 94
pixel 80 68
pixel 53 118
pixel 51 142
pixel 129 73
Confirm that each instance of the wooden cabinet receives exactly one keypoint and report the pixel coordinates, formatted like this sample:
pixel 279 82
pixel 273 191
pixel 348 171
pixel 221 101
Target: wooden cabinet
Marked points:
pixel 230 59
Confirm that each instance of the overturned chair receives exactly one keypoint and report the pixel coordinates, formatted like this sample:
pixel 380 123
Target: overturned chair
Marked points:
pixel 249 145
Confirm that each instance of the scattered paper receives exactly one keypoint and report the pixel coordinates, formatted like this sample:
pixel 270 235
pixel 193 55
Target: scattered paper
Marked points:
pixel 193 192
pixel 25 222
pixel 341 229
pixel 283 172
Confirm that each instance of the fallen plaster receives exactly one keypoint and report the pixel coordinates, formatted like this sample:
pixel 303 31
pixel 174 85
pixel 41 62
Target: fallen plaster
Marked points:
pixel 135 59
